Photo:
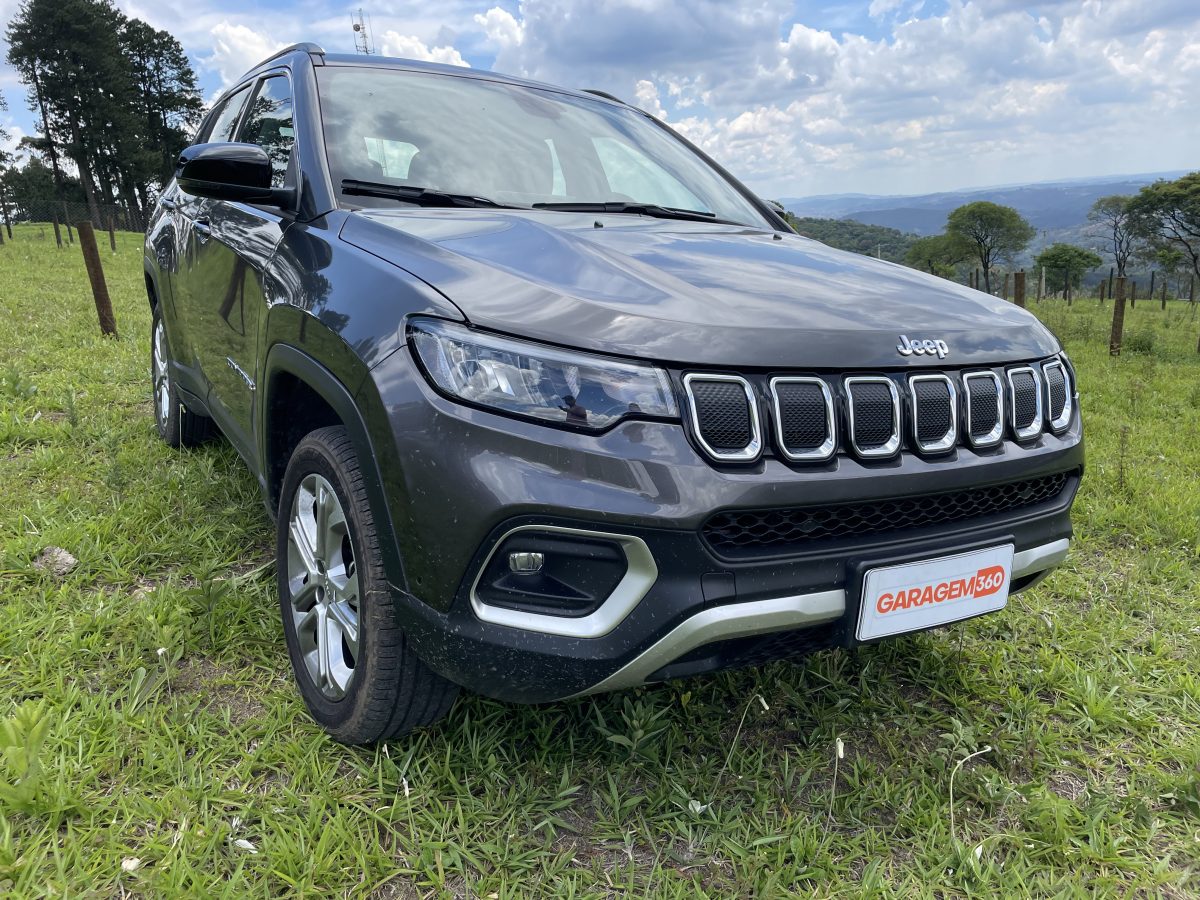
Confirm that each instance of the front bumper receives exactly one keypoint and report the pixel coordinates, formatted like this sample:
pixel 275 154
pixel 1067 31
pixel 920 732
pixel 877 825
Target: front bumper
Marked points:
pixel 467 478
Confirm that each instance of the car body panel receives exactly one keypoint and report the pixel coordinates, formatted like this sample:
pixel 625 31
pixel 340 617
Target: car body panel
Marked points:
pixel 691 292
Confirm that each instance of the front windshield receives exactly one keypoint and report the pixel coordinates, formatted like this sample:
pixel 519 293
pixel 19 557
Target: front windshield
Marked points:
pixel 516 146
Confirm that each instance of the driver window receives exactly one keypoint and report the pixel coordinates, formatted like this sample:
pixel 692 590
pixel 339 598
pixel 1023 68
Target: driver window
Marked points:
pixel 226 121
pixel 269 124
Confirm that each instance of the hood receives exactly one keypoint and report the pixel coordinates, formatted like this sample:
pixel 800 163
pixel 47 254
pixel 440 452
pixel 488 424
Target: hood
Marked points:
pixel 692 293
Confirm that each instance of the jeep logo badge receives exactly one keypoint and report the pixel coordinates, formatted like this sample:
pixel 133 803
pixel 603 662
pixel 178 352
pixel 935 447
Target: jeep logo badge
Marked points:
pixel 921 348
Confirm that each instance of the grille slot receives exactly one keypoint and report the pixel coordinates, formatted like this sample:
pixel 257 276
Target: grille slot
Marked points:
pixel 771 532
pixel 725 416
pixel 1058 395
pixel 873 405
pixel 804 421
pixel 934 412
pixel 985 408
pixel 1026 403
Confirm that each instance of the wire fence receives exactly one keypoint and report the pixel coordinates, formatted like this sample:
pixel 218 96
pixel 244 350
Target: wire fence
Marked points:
pixel 107 216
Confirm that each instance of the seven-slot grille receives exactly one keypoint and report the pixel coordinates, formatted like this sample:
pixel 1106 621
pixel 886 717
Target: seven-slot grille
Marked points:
pixel 1026 407
pixel 1058 392
pixel 985 408
pixel 873 416
pixel 934 412
pixel 725 416
pixel 873 409
pixel 804 418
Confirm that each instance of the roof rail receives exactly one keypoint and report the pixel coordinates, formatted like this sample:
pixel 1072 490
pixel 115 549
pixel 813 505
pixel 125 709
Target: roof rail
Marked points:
pixel 606 95
pixel 304 46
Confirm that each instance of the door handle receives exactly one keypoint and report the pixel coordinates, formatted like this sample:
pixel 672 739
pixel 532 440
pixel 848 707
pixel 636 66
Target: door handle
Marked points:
pixel 203 229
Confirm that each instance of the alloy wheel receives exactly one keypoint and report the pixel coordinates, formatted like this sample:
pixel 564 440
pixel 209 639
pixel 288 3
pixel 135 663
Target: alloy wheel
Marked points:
pixel 162 377
pixel 323 581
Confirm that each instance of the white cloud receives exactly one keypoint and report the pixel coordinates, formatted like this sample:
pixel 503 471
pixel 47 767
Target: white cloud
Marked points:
pixel 408 46
pixel 500 27
pixel 646 95
pixel 236 49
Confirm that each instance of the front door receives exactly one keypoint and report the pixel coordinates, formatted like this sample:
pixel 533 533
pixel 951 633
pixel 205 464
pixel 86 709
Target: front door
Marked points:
pixel 227 283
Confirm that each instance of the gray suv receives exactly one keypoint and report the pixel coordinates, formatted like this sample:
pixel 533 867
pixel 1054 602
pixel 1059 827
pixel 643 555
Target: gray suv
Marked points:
pixel 544 402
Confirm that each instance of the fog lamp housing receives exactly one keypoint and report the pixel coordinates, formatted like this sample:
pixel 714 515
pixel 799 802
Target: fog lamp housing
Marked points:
pixel 548 573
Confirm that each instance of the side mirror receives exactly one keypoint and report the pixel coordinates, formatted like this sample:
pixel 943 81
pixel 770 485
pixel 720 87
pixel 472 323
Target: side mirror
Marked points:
pixel 237 172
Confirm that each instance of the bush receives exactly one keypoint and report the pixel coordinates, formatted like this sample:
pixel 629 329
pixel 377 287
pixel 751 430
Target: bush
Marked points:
pixel 1139 342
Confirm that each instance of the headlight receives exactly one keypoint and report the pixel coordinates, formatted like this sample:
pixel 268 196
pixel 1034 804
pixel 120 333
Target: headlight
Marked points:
pixel 539 382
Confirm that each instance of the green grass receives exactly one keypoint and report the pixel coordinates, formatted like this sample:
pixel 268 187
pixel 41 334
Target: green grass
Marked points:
pixel 148 711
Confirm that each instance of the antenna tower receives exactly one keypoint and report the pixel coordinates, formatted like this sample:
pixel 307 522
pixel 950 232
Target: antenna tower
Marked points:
pixel 362 33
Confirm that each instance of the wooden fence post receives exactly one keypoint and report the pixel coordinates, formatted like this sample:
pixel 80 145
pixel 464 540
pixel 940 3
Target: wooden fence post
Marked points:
pixel 1164 294
pixel 1191 288
pixel 1019 288
pixel 1150 293
pixel 1041 291
pixel 1004 290
pixel 70 233
pixel 112 235
pixel 1 237
pixel 91 258
pixel 1133 295
pixel 1111 270
pixel 977 279
pixel 1118 323
pixel 57 233
pixel 1103 285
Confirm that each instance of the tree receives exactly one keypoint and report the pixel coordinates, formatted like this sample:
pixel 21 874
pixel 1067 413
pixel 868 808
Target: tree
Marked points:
pixel 993 233
pixel 847 234
pixel 1065 265
pixel 1110 216
pixel 938 254
pixel 1167 214
pixel 114 95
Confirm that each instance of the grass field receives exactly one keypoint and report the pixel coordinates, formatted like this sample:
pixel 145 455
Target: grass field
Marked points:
pixel 152 742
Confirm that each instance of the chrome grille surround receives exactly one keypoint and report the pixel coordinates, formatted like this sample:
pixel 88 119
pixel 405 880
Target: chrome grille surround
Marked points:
pixel 1034 428
pixel 950 438
pixel 754 447
pixel 892 445
pixel 1060 422
pixel 829 446
pixel 996 434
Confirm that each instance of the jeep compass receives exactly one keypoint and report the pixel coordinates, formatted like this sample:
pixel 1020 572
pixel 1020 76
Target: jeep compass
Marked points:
pixel 544 402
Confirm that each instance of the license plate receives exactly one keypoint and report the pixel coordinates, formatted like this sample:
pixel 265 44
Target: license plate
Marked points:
pixel 896 599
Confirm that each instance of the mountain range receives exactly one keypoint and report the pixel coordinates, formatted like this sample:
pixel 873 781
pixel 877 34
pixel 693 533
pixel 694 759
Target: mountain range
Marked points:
pixel 1057 209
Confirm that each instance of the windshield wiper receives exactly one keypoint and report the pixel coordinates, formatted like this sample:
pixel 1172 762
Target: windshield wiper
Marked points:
pixel 421 196
pixel 637 209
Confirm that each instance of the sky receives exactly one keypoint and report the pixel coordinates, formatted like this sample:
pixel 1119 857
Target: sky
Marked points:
pixel 795 98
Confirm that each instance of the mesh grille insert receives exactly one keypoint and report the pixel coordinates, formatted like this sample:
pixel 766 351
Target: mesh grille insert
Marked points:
pixel 874 415
pixel 747 533
pixel 1056 382
pixel 723 413
pixel 1025 399
pixel 802 416
pixel 984 399
pixel 934 416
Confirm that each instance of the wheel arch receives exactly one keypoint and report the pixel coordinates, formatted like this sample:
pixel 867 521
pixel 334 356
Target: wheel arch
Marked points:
pixel 294 380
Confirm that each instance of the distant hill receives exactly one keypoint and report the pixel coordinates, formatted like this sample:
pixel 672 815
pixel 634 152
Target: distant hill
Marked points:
pixel 1058 209
pixel 847 234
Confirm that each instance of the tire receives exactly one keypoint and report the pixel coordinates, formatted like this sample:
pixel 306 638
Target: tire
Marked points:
pixel 177 425
pixel 356 671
